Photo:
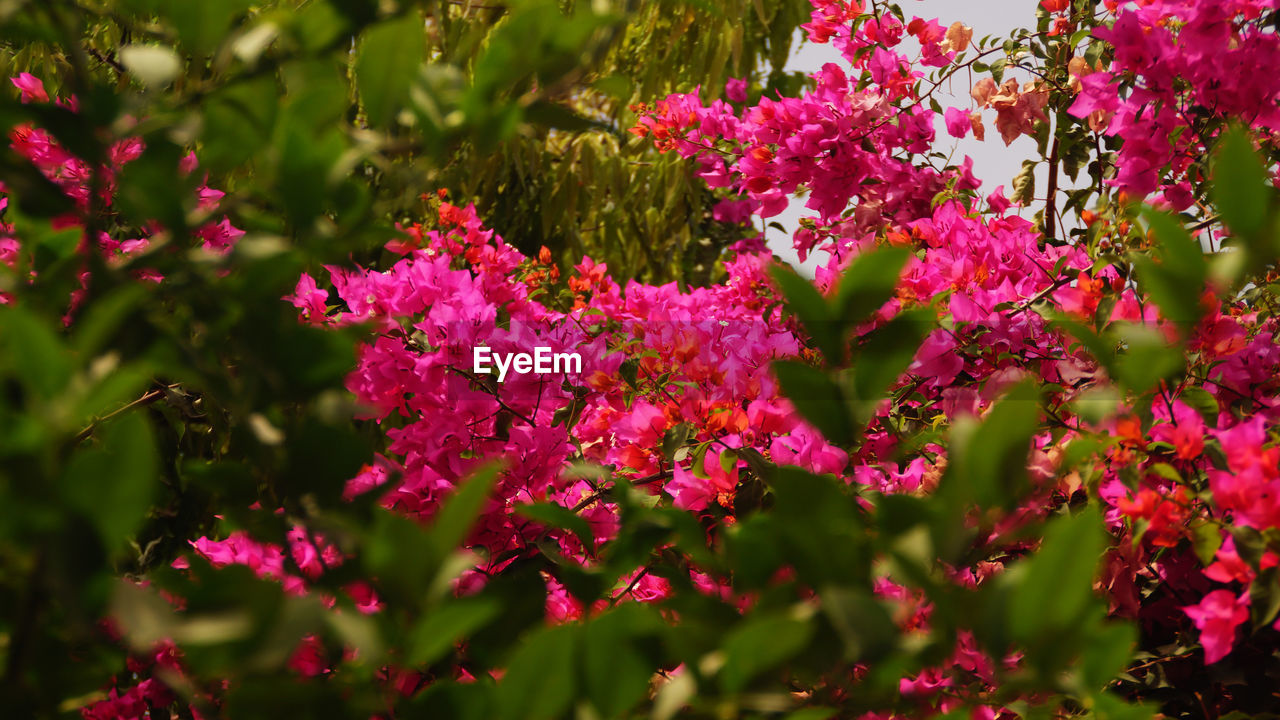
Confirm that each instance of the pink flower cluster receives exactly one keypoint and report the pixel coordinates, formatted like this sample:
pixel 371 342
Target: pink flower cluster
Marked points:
pixel 848 144
pixel 661 362
pixel 1179 67
pixel 74 176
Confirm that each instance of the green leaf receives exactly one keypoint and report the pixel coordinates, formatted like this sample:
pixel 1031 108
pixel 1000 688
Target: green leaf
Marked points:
pixel 239 120
pixel 1240 184
pixel 459 514
pixel 1024 185
pixel 862 622
pixel 754 551
pixel 203 25
pixel 34 351
pixel 884 355
pixel 399 553
pixel 1206 538
pixel 818 399
pixel 1264 598
pixel 807 304
pixel 558 516
pixel 762 643
pixel 321 458
pixel 151 188
pixel 1204 403
pixel 675 438
pixel 990 463
pixel 822 528
pixel 1056 591
pixel 541 679
pixel 112 484
pixel 103 318
pixel 617 667
pixel 387 64
pixel 437 632
pixel 455 700
pixel 1176 281
pixel 35 193
pixel 1111 707
pixel 868 283
pixel 1107 654
pixel 560 117
pixel 305 163
pixel 1147 359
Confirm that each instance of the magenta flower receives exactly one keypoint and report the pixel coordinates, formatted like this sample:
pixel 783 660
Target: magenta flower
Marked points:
pixel 32 88
pixel 1217 617
pixel 957 120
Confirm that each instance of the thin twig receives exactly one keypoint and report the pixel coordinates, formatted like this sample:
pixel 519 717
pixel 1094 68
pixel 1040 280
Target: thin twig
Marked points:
pixel 647 480
pixel 149 397
pixel 494 394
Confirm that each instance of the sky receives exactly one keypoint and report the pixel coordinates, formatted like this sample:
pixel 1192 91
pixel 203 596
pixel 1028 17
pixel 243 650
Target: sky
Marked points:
pixel 993 163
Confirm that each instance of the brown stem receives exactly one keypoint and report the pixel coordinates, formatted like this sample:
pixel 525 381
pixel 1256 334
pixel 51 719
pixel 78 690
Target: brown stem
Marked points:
pixel 647 480
pixel 494 394
pixel 1050 222
pixel 148 398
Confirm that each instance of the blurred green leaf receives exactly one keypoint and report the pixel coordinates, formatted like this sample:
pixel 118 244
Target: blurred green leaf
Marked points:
pixel 617 669
pixel 1056 590
pixel 390 53
pixel 558 516
pixel 989 462
pixel 461 510
pixel 1240 184
pixel 541 680
pixel 1176 281
pixel 868 283
pixel 34 351
pixel 884 356
pixel 762 643
pixel 201 26
pixel 808 305
pixel 112 483
pixel 818 399
pixel 437 632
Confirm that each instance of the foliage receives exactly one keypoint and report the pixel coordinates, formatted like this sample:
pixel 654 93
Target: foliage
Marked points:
pixel 984 466
pixel 518 106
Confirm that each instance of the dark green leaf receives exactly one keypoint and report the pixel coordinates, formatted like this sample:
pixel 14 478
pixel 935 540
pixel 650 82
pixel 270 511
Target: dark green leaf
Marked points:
pixel 437 632
pixel 541 679
pixel 990 462
pixel 818 399
pixel 112 484
pixel 884 356
pixel 1056 590
pixel 617 669
pixel 34 351
pixel 451 525
pixel 761 643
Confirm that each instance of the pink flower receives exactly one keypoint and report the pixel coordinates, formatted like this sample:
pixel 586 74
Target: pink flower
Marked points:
pixel 736 90
pixel 1217 616
pixel 1185 432
pixel 310 299
pixel 957 121
pixel 32 88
